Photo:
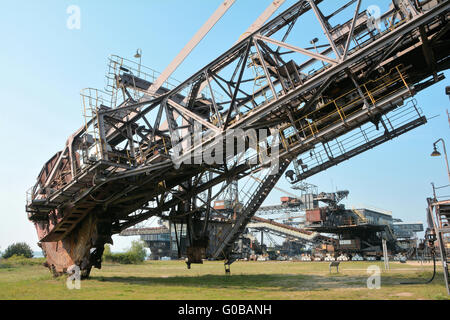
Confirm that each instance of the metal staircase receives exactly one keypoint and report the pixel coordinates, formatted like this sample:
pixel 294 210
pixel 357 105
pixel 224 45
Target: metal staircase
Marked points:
pixel 360 216
pixel 226 247
pixel 442 228
pixel 283 230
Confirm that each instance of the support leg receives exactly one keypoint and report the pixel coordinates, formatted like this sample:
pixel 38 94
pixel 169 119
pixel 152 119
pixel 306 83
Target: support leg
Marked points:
pixel 227 268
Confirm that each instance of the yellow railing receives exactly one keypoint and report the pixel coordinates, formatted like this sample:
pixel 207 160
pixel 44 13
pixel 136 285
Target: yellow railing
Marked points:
pixel 143 155
pixel 360 215
pixel 391 21
pixel 91 102
pixel 372 93
pixel 259 77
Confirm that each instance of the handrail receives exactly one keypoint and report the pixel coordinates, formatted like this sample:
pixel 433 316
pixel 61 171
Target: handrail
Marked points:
pixel 340 110
pixel 360 215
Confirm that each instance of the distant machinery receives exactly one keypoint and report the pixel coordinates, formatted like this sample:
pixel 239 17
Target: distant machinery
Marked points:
pixel 358 230
pixel 361 231
pixel 161 241
pixel 293 217
pixel 406 230
pixel 301 227
pixel 136 156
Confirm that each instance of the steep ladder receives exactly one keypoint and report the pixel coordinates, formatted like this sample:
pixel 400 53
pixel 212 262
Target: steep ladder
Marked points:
pixel 443 235
pixel 442 229
pixel 256 200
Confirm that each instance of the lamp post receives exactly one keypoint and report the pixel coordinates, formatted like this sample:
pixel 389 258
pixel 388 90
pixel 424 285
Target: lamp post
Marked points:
pixel 436 153
pixel 434 191
pixel 447 91
pixel 313 42
pixel 138 55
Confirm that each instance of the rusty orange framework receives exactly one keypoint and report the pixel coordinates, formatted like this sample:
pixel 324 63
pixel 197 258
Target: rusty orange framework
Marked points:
pixel 321 107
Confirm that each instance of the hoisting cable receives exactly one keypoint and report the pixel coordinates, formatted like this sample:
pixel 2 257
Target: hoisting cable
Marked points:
pixel 430 237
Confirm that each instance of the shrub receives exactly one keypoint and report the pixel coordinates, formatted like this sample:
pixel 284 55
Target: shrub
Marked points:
pixel 18 249
pixel 22 261
pixel 138 249
pixel 136 254
pixel 107 253
pixel 125 258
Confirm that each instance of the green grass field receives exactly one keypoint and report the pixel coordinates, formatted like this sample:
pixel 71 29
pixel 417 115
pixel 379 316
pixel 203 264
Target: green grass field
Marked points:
pixel 170 280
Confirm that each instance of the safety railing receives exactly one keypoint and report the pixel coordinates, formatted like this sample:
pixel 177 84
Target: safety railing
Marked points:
pixel 118 65
pixel 358 137
pixel 375 209
pixel 30 194
pixel 339 109
pixel 378 29
pixel 441 192
pixel 92 100
pixel 260 79
pixel 147 152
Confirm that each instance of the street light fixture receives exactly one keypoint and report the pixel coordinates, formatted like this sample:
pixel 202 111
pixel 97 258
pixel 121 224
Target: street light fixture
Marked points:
pixel 314 43
pixel 138 55
pixel 436 153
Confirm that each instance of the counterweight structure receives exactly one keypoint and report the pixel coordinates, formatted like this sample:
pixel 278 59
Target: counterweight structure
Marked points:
pixel 139 154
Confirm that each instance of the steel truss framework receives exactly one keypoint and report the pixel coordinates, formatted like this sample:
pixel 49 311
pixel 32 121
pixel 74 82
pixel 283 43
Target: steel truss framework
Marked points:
pixel 118 169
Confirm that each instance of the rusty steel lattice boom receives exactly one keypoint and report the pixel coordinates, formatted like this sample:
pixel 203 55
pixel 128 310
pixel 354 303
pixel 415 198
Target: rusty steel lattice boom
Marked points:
pixel 126 164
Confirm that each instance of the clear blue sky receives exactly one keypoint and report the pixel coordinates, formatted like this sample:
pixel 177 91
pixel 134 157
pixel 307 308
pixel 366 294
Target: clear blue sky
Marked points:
pixel 45 65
